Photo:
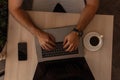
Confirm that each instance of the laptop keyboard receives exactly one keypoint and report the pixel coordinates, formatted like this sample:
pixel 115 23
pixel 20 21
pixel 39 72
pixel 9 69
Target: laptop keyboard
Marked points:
pixel 58 51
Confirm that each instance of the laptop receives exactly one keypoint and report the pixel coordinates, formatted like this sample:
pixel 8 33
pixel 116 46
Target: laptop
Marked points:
pixel 58 64
pixel 58 54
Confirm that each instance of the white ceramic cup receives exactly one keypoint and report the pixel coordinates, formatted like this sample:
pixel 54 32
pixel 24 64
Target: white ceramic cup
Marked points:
pixel 93 41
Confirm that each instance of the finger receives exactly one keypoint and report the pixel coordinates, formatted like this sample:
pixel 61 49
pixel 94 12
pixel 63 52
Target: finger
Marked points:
pixel 66 45
pixel 43 47
pixel 46 48
pixel 52 38
pixel 65 41
pixel 69 48
pixel 50 47
pixel 72 49
pixel 51 43
pixel 76 46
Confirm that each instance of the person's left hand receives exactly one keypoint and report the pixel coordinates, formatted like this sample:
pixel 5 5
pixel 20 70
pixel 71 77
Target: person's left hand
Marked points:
pixel 71 42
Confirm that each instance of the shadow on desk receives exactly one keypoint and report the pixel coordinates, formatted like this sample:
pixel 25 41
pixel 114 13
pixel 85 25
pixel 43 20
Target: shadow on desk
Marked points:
pixel 67 69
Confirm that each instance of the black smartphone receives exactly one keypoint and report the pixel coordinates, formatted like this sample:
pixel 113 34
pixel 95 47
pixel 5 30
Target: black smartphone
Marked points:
pixel 22 51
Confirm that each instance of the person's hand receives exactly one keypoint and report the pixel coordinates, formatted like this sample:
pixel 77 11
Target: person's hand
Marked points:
pixel 71 42
pixel 46 40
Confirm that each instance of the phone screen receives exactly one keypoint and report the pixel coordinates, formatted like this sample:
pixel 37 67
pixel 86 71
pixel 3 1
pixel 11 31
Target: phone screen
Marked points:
pixel 22 51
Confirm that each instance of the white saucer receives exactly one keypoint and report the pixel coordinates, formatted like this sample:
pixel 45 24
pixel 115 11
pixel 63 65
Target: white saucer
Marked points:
pixel 88 45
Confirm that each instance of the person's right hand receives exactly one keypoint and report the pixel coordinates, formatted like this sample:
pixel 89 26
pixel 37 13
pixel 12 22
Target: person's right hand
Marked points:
pixel 46 40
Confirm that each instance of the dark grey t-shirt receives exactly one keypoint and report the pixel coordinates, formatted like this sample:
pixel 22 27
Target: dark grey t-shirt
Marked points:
pixel 71 6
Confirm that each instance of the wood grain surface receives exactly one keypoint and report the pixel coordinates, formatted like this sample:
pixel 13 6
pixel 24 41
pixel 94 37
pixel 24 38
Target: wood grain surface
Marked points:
pixel 99 62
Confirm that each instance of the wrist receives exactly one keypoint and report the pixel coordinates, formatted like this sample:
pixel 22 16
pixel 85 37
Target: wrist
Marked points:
pixel 75 33
pixel 78 32
pixel 37 32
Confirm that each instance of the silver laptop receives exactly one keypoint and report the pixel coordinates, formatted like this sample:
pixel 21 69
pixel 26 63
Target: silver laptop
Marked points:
pixel 59 34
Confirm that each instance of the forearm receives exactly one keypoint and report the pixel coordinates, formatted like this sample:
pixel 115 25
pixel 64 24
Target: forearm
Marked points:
pixel 23 18
pixel 86 16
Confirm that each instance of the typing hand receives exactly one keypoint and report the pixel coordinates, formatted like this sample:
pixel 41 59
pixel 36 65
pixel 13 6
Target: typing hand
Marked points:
pixel 46 40
pixel 71 42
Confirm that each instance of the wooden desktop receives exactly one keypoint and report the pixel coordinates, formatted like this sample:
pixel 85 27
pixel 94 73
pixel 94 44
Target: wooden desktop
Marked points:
pixel 99 61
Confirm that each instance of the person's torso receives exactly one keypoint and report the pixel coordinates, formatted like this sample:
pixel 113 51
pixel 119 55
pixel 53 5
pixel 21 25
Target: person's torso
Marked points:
pixel 71 6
